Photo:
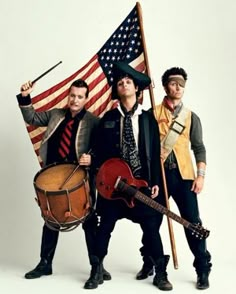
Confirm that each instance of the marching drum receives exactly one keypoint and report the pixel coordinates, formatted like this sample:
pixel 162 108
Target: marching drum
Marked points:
pixel 63 195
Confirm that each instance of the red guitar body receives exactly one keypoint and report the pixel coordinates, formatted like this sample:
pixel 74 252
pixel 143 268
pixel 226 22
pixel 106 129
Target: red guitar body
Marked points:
pixel 115 181
pixel 107 176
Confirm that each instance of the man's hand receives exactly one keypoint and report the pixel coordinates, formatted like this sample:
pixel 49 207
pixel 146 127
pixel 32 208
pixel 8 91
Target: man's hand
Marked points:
pixel 155 191
pixel 27 88
pixel 198 184
pixel 85 159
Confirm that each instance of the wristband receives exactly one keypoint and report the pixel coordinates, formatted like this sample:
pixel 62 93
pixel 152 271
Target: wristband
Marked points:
pixel 201 172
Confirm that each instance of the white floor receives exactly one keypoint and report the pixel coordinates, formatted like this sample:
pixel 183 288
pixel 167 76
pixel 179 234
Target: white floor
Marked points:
pixel 70 278
pixel 71 268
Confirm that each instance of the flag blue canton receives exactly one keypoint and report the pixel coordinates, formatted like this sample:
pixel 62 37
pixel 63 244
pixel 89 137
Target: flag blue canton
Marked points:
pixel 125 45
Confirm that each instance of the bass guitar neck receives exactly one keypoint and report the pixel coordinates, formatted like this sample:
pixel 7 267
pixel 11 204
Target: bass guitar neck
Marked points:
pixel 125 188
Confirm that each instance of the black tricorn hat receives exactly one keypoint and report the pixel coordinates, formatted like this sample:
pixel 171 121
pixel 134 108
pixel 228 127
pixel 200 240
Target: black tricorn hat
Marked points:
pixel 122 69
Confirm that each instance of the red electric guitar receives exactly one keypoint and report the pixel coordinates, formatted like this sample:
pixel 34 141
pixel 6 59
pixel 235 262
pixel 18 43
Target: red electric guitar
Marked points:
pixel 115 181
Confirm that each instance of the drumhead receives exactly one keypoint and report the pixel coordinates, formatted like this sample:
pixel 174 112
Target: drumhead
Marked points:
pixel 53 176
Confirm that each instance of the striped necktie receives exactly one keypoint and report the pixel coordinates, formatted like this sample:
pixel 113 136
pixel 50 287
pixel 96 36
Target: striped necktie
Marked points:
pixel 65 142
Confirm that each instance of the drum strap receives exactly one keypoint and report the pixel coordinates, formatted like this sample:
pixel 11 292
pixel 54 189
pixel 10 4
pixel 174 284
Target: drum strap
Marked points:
pixel 87 191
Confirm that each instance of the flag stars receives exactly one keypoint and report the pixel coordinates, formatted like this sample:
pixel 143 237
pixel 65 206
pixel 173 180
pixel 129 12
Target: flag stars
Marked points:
pixel 123 45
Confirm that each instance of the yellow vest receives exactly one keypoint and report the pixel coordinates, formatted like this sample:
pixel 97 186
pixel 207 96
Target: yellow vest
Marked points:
pixel 182 146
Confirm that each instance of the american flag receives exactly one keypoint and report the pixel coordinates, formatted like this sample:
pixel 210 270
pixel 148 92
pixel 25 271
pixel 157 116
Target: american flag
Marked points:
pixel 125 44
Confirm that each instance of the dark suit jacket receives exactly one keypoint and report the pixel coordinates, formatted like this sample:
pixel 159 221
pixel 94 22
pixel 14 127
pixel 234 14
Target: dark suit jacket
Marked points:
pixel 108 146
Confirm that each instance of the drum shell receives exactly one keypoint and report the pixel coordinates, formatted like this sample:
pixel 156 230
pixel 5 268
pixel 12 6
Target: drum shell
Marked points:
pixel 66 207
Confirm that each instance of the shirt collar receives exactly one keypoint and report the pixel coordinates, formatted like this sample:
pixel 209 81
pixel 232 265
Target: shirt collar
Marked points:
pixel 138 111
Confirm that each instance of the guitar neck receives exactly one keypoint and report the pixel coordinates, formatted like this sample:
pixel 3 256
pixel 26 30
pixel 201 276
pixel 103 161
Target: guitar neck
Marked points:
pixel 122 186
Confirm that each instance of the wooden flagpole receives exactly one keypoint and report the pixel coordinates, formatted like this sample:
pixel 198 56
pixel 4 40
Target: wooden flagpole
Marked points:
pixel 169 221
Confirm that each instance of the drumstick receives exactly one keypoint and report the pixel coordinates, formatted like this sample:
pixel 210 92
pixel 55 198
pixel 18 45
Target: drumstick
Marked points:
pixel 72 173
pixel 69 177
pixel 43 74
pixel 47 71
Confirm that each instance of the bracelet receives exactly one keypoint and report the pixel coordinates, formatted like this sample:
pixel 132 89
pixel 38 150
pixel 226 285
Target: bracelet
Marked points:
pixel 201 172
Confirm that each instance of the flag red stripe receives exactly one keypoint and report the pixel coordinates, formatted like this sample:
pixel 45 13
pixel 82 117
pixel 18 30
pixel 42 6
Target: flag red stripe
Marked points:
pixel 96 81
pixel 97 96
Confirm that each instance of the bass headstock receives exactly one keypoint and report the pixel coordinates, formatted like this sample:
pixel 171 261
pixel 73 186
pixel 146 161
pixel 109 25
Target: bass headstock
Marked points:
pixel 198 231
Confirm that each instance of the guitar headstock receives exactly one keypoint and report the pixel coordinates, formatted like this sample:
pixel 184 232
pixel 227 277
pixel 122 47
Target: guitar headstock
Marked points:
pixel 198 231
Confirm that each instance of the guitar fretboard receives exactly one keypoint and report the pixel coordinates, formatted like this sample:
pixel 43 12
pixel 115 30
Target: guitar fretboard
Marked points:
pixel 122 186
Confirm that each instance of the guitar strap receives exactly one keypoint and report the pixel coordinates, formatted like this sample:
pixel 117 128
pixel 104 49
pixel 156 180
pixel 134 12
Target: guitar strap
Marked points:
pixel 176 128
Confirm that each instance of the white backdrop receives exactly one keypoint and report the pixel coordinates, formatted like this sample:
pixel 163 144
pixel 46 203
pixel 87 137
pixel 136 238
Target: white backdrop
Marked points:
pixel 196 35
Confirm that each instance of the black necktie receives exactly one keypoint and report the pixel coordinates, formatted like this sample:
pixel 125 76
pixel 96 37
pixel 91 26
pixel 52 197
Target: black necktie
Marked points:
pixel 129 150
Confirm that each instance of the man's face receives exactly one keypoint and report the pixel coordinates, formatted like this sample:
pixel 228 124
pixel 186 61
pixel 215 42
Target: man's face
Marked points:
pixel 173 89
pixel 126 88
pixel 76 99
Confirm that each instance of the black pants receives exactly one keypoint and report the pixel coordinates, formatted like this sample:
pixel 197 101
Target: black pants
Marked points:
pixel 112 211
pixel 187 203
pixel 50 239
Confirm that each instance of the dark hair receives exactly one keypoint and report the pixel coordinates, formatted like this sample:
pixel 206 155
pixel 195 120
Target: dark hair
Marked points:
pixel 171 72
pixel 114 93
pixel 80 84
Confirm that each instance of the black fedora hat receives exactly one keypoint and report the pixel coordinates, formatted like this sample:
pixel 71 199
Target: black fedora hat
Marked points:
pixel 122 69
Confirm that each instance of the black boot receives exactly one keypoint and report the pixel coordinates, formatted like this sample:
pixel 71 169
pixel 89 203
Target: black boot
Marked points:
pixel 202 281
pixel 96 276
pixel 106 275
pixel 146 270
pixel 44 268
pixel 160 280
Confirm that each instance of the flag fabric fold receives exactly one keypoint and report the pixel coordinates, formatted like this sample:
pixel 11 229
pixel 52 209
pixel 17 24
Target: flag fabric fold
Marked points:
pixel 125 44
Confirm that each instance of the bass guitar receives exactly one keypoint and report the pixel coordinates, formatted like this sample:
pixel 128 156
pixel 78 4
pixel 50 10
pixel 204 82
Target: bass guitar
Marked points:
pixel 116 181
